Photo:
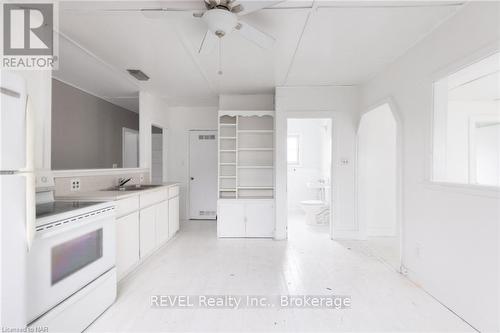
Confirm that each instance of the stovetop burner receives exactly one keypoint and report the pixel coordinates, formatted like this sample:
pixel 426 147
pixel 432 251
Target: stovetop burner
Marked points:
pixel 57 207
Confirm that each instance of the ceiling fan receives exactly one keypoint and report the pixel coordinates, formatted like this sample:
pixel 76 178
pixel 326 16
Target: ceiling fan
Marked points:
pixel 222 18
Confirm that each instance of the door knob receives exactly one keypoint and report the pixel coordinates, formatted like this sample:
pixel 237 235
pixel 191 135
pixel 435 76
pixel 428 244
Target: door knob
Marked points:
pixel 192 178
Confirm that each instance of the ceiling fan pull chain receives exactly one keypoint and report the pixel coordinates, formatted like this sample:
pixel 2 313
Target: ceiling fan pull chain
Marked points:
pixel 220 57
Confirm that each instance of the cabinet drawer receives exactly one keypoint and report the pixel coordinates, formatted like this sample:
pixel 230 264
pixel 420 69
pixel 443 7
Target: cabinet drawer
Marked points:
pixel 127 206
pixel 173 191
pixel 150 198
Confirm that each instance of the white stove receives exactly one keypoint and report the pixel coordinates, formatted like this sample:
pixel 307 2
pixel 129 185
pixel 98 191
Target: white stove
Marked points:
pixel 71 266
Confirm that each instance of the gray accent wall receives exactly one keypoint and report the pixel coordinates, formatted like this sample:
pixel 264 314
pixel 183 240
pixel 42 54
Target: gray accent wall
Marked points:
pixel 86 130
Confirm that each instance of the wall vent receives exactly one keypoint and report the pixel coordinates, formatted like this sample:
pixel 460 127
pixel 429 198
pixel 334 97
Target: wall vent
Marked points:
pixel 138 74
pixel 207 213
pixel 206 137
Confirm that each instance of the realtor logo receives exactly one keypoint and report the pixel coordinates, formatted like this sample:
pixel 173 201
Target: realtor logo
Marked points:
pixel 28 29
pixel 28 41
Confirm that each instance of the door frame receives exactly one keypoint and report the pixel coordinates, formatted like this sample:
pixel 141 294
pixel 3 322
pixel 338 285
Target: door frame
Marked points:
pixel 399 173
pixel 281 178
pixel 188 164
pixel 130 130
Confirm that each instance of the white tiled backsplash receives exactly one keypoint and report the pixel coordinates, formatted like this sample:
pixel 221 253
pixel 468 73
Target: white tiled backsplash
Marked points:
pixel 96 182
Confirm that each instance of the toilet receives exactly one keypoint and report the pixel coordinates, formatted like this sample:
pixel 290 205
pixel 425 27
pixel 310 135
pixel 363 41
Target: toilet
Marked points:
pixel 317 211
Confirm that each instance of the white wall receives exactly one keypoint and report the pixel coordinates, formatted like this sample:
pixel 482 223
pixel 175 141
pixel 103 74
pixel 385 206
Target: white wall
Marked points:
pixel 246 102
pixel 377 172
pixel 451 233
pixel 341 103
pixel 181 120
pixel 314 150
pixel 153 110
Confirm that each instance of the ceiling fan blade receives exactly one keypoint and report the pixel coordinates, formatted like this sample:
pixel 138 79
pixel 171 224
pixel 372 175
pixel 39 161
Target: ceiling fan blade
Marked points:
pixel 160 13
pixel 152 13
pixel 250 6
pixel 208 43
pixel 252 34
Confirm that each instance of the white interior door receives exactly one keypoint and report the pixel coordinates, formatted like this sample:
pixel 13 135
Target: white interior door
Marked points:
pixel 203 174
pixel 130 147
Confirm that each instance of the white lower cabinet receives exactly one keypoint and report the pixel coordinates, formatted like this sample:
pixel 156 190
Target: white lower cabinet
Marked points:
pixel 173 215
pixel 245 218
pixel 147 222
pixel 162 234
pixel 231 220
pixel 147 230
pixel 259 219
pixel 127 243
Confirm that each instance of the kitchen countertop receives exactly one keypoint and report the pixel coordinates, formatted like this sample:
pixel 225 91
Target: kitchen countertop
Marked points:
pixel 105 195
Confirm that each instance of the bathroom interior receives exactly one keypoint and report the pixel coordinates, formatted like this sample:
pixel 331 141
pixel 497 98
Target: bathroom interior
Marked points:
pixel 309 150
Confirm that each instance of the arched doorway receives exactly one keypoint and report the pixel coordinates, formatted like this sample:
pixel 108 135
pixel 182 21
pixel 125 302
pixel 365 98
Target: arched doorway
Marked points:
pixel 378 183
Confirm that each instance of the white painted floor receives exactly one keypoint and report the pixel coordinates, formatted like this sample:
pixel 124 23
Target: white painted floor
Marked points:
pixel 197 263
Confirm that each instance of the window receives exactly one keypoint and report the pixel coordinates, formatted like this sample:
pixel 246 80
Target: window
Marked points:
pixel 293 143
pixel 466 140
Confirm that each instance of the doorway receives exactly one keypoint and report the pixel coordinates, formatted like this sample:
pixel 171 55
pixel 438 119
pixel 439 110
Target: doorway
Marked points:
pixel 130 148
pixel 203 174
pixel 378 183
pixel 309 170
pixel 158 154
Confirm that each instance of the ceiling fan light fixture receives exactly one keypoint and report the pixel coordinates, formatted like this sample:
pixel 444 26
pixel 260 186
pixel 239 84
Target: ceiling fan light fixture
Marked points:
pixel 220 22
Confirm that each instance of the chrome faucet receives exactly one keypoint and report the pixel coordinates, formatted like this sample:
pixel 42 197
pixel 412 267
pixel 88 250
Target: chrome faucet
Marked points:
pixel 123 181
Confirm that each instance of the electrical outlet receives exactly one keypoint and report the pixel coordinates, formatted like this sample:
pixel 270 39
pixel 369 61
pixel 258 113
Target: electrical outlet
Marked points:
pixel 75 184
pixel 141 178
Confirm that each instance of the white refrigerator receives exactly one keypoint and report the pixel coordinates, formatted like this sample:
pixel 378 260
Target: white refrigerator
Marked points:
pixel 17 198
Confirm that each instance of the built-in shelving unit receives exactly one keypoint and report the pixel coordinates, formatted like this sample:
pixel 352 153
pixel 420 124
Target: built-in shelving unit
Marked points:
pixel 246 174
pixel 246 154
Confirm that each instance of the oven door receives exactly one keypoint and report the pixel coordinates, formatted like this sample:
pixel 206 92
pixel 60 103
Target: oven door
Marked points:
pixel 67 258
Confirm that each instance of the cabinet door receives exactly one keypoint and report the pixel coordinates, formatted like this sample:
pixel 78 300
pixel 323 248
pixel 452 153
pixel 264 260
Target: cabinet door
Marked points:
pixel 176 214
pixel 161 223
pixel 147 230
pixel 259 219
pixel 127 243
pixel 173 216
pixel 231 220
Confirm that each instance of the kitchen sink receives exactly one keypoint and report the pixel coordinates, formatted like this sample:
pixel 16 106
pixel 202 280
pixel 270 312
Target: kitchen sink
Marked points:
pixel 138 187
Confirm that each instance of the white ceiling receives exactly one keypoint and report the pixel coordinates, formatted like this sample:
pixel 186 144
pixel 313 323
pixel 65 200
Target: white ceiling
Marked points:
pixel 315 45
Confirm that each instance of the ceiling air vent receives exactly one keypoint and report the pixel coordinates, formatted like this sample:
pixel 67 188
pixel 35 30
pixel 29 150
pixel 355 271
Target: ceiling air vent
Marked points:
pixel 138 74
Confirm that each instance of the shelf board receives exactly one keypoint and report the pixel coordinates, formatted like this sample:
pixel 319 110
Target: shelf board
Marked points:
pixel 227 150
pixel 227 177
pixel 227 137
pixel 227 125
pixel 256 131
pixel 227 163
pixel 255 166
pixel 256 149
pixel 227 190
pixel 255 187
